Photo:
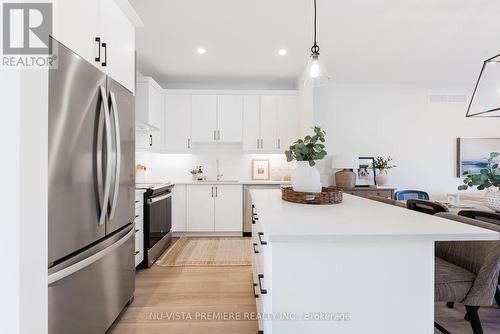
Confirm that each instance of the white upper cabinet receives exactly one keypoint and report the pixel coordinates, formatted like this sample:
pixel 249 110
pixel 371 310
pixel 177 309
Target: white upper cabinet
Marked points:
pixel 149 109
pixel 217 118
pixel 177 122
pixel 268 122
pixel 230 118
pixel 72 16
pixel 287 120
pixel 204 118
pixel 251 122
pixel 101 33
pixel 118 34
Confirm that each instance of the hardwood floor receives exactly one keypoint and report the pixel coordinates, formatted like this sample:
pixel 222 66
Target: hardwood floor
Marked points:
pixel 453 319
pixel 194 293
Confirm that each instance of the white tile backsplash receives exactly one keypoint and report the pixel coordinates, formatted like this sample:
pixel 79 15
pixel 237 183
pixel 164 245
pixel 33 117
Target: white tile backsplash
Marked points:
pixel 234 163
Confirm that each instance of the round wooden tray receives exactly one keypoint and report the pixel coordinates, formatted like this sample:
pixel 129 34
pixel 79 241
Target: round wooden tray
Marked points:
pixel 328 195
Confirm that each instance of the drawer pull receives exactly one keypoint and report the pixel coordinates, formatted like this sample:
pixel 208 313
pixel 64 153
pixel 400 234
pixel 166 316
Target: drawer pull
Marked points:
pixel 137 252
pixel 262 242
pixel 137 216
pixel 137 230
pixel 253 222
pixel 137 201
pixel 255 294
pixel 262 291
pixel 254 249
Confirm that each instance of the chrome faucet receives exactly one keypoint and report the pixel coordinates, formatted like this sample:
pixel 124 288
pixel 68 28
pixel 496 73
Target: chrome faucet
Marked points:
pixel 219 174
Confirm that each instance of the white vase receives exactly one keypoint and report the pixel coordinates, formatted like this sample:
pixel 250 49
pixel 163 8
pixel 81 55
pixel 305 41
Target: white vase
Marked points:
pixel 381 177
pixel 492 200
pixel 306 178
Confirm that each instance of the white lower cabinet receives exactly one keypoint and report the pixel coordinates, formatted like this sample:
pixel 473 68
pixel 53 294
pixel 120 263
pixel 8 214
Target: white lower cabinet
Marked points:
pixel 179 208
pixel 261 269
pixel 228 208
pixel 214 208
pixel 139 227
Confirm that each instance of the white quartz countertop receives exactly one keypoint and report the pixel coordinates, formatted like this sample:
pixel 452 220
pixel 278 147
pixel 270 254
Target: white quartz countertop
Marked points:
pixel 355 217
pixel 238 182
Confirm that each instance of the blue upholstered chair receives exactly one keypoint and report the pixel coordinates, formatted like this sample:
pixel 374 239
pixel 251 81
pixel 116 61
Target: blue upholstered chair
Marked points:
pixel 404 195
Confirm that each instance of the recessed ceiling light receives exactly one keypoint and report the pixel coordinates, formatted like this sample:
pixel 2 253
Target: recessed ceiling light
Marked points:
pixel 282 52
pixel 201 51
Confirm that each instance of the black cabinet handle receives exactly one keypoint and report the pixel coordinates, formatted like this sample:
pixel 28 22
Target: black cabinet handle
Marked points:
pixel 253 221
pixel 262 291
pixel 216 191
pixel 137 230
pixel 98 41
pixel 255 249
pixel 105 46
pixel 136 216
pixel 136 252
pixel 150 140
pixel 137 201
pixel 262 242
pixel 255 294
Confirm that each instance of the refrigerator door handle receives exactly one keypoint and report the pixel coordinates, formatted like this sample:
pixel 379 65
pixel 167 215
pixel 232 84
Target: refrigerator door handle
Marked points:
pixel 107 180
pixel 59 275
pixel 118 156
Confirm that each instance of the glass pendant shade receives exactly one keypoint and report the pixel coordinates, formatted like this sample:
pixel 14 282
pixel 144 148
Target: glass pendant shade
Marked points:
pixel 315 74
pixel 485 101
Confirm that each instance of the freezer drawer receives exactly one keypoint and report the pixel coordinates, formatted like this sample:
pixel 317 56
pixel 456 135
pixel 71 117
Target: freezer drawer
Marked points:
pixel 89 299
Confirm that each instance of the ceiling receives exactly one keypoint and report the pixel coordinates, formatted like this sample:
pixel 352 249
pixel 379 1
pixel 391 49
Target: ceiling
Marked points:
pixel 389 41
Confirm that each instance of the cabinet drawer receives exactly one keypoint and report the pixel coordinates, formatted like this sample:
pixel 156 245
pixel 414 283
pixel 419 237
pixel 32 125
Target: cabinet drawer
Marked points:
pixel 139 214
pixel 139 199
pixel 139 247
pixel 382 193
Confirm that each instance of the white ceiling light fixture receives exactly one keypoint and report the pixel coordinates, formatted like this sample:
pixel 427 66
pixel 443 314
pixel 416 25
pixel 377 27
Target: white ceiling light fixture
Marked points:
pixel 282 52
pixel 315 74
pixel 201 51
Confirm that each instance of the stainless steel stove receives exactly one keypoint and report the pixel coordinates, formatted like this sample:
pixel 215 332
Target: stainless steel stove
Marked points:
pixel 157 219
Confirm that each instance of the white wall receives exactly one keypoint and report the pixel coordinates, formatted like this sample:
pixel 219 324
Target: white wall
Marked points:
pixel 305 99
pixel 399 120
pixel 234 163
pixel 9 238
pixel 23 244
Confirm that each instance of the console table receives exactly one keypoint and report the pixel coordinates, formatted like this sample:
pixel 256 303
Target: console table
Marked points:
pixel 370 191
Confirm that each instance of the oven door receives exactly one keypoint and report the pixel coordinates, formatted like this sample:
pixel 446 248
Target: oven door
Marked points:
pixel 160 218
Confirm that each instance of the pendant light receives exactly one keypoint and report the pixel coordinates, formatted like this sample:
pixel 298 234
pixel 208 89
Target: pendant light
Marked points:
pixel 485 101
pixel 315 74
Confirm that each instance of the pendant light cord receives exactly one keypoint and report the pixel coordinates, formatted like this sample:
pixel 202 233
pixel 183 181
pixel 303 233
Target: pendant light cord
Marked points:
pixel 315 47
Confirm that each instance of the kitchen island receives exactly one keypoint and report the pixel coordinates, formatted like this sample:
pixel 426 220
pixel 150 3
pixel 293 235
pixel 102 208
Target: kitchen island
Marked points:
pixel 357 267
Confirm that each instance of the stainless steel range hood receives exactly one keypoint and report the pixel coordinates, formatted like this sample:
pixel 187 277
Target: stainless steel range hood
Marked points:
pixel 143 126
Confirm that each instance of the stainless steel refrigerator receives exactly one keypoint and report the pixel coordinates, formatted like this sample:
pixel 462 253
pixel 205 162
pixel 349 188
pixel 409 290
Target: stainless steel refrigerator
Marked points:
pixel 91 196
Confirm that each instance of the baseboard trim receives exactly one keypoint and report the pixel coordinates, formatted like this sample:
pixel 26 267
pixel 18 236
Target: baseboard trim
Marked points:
pixel 207 234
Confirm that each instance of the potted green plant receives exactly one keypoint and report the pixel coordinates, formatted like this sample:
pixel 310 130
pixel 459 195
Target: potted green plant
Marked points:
pixel 487 178
pixel 306 151
pixel 382 165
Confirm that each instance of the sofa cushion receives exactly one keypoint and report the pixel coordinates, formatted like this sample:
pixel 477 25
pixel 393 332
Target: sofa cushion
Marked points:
pixel 451 282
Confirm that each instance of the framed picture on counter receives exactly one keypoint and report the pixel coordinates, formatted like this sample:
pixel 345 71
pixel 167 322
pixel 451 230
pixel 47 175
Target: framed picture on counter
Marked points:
pixel 260 169
pixel 365 176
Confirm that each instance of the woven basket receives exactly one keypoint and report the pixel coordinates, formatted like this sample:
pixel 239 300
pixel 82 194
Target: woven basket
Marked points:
pixel 328 195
